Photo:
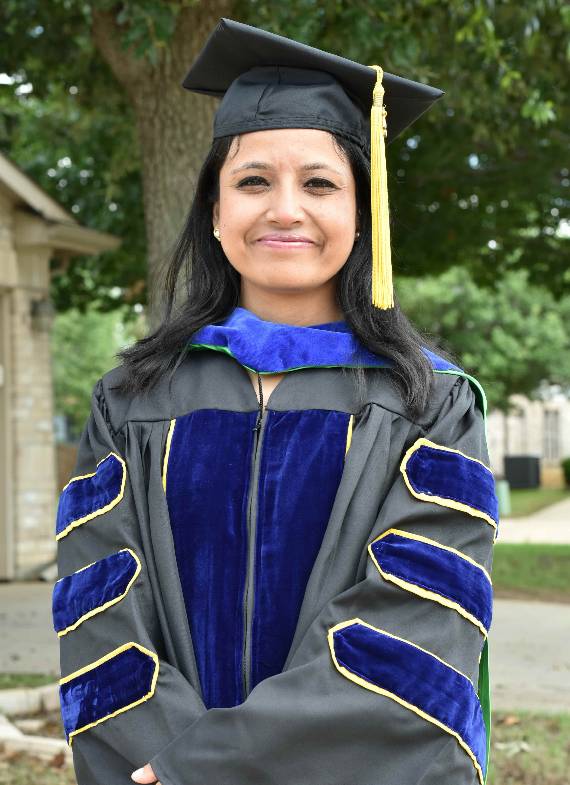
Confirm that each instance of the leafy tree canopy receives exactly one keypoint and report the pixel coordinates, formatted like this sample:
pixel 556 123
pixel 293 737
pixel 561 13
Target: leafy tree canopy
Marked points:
pixel 511 338
pixel 480 181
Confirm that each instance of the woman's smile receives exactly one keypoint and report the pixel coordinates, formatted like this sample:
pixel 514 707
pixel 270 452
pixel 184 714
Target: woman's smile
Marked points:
pixel 285 245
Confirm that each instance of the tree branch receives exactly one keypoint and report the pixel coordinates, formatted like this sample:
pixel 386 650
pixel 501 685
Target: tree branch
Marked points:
pixel 128 69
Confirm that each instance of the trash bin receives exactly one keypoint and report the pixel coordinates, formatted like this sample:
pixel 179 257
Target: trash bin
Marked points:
pixel 522 471
pixel 503 491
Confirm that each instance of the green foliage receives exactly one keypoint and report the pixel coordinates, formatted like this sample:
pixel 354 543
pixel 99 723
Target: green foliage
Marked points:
pixel 90 165
pixel 565 463
pixel 479 181
pixel 84 346
pixel 74 135
pixel 40 30
pixel 511 338
pixel 148 26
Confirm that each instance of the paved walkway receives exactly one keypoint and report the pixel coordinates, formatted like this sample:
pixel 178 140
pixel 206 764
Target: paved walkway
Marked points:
pixel 550 525
pixel 528 645
pixel 529 656
pixel 29 642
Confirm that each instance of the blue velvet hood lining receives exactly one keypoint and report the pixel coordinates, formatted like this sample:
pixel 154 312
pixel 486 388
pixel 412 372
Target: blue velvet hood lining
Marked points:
pixel 271 347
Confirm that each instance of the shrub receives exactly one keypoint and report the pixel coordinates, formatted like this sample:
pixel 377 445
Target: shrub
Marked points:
pixel 565 463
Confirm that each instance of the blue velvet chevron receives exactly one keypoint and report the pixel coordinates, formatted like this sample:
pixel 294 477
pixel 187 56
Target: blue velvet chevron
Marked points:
pixel 272 347
pixel 417 677
pixel 92 589
pixel 438 570
pixel 450 475
pixel 86 497
pixel 111 685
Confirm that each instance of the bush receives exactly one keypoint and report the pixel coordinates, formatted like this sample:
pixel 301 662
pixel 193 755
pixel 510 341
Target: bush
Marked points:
pixel 565 463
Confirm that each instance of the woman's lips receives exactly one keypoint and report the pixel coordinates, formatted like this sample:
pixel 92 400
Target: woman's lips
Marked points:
pixel 270 242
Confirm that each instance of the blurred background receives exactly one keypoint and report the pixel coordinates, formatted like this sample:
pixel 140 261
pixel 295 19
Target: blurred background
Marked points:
pixel 99 152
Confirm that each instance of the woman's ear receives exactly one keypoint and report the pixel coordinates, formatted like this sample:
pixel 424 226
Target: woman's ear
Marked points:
pixel 216 213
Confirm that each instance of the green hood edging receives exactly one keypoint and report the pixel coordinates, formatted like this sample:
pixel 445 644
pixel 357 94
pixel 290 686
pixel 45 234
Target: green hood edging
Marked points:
pixel 484 687
pixel 477 389
pixel 296 368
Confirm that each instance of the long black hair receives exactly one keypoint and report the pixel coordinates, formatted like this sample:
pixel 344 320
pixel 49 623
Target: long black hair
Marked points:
pixel 201 287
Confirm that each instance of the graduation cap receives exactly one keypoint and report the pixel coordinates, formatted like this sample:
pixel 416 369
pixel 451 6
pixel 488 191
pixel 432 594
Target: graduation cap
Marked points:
pixel 270 81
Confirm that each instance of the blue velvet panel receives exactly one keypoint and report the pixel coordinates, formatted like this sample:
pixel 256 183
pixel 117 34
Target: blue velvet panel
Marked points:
pixel 450 475
pixel 415 676
pixel 92 589
pixel 302 461
pixel 438 570
pixel 207 481
pixel 273 347
pixel 86 497
pixel 439 363
pixel 110 685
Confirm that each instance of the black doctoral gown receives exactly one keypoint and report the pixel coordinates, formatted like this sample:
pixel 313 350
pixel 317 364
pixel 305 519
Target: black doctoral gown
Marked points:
pixel 298 595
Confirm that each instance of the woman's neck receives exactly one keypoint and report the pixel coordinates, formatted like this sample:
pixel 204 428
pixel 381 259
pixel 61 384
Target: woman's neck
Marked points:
pixel 294 314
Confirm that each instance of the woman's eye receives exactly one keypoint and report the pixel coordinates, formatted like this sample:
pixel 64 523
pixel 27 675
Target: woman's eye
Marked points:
pixel 321 183
pixel 250 181
pixel 317 182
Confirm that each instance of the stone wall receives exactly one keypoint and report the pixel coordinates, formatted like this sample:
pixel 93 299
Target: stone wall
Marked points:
pixel 8 279
pixel 33 227
pixel 34 468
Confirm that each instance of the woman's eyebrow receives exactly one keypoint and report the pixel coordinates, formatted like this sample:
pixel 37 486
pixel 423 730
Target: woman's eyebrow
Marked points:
pixel 305 167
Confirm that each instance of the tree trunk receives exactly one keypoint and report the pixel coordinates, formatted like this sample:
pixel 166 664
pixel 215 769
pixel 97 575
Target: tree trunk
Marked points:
pixel 174 126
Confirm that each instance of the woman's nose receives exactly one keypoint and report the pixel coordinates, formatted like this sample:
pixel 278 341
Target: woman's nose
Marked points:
pixel 286 205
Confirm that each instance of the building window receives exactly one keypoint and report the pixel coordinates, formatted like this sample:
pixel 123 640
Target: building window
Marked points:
pixel 551 434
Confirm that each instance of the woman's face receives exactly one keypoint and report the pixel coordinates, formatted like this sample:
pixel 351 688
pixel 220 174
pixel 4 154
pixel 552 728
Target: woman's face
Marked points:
pixel 286 212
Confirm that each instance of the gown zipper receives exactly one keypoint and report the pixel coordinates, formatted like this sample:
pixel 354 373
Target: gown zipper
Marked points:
pixel 248 593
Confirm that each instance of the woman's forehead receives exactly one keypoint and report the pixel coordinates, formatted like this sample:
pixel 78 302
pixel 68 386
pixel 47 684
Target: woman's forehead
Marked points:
pixel 293 146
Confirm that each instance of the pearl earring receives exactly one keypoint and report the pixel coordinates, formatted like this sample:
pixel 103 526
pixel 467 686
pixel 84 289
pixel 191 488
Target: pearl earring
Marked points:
pixel 217 233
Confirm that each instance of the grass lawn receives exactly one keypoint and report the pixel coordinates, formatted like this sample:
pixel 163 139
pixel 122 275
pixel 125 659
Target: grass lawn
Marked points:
pixel 526 501
pixel 532 570
pixel 529 749
pixel 11 680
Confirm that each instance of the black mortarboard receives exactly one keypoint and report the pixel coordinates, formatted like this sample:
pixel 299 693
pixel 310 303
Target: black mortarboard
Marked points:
pixel 269 81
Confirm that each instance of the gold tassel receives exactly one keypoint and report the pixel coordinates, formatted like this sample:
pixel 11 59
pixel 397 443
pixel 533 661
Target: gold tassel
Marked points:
pixel 382 289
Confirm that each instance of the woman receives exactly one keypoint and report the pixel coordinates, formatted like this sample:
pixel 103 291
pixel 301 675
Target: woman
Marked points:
pixel 292 588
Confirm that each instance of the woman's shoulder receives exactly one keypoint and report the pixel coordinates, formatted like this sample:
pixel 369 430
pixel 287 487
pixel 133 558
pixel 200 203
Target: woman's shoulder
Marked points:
pixel 176 392
pixel 452 380
pixel 123 403
pixel 447 380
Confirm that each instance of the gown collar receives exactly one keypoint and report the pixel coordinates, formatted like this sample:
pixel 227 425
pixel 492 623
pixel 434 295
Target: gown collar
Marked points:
pixel 272 347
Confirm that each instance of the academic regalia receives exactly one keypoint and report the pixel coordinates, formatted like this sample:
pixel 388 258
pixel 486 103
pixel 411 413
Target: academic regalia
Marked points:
pixel 301 603
pixel 296 595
